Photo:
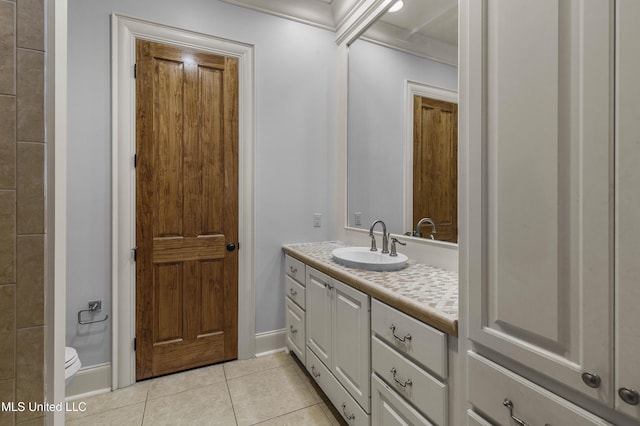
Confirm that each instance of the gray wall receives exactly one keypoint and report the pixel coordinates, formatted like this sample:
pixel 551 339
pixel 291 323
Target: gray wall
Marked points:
pixel 377 77
pixel 295 97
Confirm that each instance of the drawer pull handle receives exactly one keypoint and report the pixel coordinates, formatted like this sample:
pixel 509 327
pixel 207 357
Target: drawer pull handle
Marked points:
pixel 404 384
pixel 401 339
pixel 293 270
pixel 293 292
pixel 313 371
pixel 591 380
pixel 507 403
pixel 293 330
pixel 328 286
pixel 347 416
pixel 629 396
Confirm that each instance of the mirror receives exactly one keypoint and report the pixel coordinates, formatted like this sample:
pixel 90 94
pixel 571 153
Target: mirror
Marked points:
pixel 402 121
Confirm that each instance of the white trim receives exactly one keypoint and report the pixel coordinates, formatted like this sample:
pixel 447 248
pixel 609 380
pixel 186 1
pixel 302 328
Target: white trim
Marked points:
pixel 125 31
pixel 90 381
pixel 56 205
pixel 413 88
pixel 317 13
pixel 271 342
pixel 360 19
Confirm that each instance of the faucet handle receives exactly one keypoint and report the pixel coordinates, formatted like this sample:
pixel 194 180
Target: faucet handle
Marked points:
pixel 373 243
pixel 394 240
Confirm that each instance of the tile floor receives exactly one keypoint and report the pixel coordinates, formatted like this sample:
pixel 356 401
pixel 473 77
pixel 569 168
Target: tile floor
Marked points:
pixel 271 390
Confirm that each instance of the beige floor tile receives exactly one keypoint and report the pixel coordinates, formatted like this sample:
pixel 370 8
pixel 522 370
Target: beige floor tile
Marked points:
pixel 312 386
pixel 310 416
pixel 181 382
pixel 333 415
pixel 208 405
pixel 236 369
pixel 124 416
pixel 268 394
pixel 109 401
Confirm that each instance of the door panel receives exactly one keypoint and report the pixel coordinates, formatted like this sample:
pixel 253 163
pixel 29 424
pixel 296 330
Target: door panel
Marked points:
pixel 539 283
pixel 186 209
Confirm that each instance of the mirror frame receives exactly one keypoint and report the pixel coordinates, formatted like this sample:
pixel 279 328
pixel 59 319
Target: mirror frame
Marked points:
pixel 357 23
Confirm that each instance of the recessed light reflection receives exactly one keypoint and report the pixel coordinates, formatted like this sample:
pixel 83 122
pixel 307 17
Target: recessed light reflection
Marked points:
pixel 397 6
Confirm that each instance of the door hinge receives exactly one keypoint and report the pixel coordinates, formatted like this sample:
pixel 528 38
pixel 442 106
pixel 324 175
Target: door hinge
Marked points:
pixel 135 343
pixel 135 70
pixel 238 245
pixel 135 160
pixel 135 254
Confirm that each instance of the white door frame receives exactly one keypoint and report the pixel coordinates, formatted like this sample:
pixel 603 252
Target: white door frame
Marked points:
pixel 124 32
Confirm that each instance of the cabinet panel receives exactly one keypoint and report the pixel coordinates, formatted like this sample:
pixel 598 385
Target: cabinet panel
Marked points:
pixel 295 291
pixel 540 292
pixel 319 299
pixel 628 203
pixel 389 409
pixel 490 385
pixel 351 344
pixel 474 419
pixel 426 345
pixel 295 323
pixel 424 391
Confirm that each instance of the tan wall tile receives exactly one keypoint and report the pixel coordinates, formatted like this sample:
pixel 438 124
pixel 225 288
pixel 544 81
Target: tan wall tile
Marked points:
pixel 7 237
pixel 30 188
pixel 30 24
pixel 30 369
pixel 7 142
pixel 7 331
pixel 30 281
pixel 7 394
pixel 7 48
pixel 30 88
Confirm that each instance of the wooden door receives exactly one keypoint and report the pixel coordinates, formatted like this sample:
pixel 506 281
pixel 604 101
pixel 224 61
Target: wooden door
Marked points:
pixel 435 166
pixel 540 195
pixel 186 209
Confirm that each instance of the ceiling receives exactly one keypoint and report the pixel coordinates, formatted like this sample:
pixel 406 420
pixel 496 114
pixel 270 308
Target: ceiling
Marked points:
pixel 427 28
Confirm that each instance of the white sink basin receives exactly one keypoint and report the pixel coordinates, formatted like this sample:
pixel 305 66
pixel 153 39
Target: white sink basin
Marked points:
pixel 364 258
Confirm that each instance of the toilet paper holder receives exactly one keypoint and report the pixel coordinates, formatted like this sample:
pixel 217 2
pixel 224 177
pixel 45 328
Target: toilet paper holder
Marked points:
pixel 94 306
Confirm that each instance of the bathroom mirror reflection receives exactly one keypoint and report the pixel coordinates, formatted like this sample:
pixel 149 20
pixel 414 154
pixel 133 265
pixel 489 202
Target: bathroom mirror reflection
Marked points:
pixel 402 121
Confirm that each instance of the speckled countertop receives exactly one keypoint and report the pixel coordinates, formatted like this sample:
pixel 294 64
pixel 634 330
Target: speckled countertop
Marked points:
pixel 424 292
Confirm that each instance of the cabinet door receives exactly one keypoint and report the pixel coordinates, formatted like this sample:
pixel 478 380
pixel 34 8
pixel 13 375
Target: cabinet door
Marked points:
pixel 628 205
pixel 539 185
pixel 352 341
pixel 319 298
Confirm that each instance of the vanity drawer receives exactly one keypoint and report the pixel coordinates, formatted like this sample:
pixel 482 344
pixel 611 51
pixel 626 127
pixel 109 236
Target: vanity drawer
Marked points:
pixel 426 345
pixel 295 323
pixel 428 394
pixel 490 385
pixel 389 409
pixel 475 419
pixel 351 412
pixel 294 268
pixel 294 291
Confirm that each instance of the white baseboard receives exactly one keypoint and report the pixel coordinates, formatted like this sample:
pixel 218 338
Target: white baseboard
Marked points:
pixel 271 342
pixel 89 381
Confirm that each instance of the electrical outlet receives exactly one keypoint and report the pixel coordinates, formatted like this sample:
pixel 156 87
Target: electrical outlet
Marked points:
pixel 358 218
pixel 317 220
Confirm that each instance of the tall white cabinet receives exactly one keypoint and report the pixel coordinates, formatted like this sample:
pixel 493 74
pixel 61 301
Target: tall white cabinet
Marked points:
pixel 554 195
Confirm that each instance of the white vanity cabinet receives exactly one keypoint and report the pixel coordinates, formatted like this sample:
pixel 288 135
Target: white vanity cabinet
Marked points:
pixel 553 236
pixel 409 361
pixel 338 334
pixel 295 315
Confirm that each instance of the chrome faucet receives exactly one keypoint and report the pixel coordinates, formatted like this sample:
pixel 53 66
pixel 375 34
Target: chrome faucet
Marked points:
pixel 385 237
pixel 418 233
pixel 394 252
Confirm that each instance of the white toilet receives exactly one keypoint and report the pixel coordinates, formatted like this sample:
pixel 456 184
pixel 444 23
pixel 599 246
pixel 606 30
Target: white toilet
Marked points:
pixel 71 364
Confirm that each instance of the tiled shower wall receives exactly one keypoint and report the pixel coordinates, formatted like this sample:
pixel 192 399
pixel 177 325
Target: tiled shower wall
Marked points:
pixel 22 207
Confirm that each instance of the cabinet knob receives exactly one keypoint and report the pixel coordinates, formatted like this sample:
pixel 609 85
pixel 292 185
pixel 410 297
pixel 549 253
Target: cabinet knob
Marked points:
pixel 591 380
pixel 629 396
